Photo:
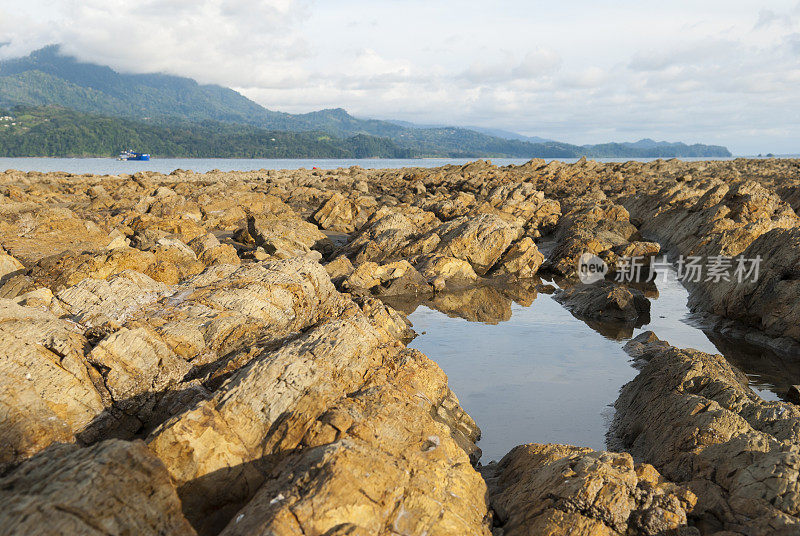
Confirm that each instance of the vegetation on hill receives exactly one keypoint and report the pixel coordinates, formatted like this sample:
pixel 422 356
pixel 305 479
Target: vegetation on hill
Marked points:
pixel 172 105
pixel 57 131
pixel 52 131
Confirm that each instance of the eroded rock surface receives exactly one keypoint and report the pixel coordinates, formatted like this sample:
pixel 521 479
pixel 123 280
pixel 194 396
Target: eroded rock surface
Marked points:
pixel 332 384
pixel 693 417
pixel 606 301
pixel 250 325
pixel 561 489
pixel 114 487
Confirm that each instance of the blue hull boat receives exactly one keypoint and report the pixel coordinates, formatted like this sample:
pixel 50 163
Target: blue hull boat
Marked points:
pixel 131 155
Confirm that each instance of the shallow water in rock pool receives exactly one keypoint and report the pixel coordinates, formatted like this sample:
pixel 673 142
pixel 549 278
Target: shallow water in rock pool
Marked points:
pixel 537 374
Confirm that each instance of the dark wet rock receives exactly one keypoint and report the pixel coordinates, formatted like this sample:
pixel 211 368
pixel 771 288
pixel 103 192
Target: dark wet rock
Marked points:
pixel 793 395
pixel 606 301
pixel 770 302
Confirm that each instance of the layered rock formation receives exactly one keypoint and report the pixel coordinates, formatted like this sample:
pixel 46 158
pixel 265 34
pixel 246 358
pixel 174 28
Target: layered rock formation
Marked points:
pixel 224 352
pixel 561 489
pixel 693 417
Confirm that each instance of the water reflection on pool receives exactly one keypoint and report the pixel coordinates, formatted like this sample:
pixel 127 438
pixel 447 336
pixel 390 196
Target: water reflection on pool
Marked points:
pixel 535 373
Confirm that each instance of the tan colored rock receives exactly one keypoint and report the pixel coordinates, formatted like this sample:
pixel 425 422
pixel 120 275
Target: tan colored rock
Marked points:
pixel 48 389
pixel 341 380
pixel 286 238
pixel 693 417
pixel 522 260
pixel 210 251
pixel 175 261
pixel 560 489
pixel 389 231
pixel 114 487
pixel 392 279
pixel 524 201
pixel 342 214
pixel 446 272
pixel 339 268
pixel 138 362
pixel 96 301
pixel 481 241
pixel 598 227
pixel 9 265
pixel 46 231
pixel 385 318
pixel 41 297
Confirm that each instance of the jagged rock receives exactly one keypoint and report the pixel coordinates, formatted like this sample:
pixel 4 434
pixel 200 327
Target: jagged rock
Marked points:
pixel 524 201
pixel 330 384
pixel 637 248
pixel 49 391
pixel 481 241
pixel 389 231
pixel 708 219
pixel 114 487
pixel 600 228
pixel 769 300
pixel 606 301
pixel 286 238
pixel 175 261
pixel 694 418
pixel 96 301
pixel 281 405
pixel 559 489
pixel 210 251
pixel 391 279
pixel 44 231
pixel 522 260
pixel 137 362
pixel 9 265
pixel 339 268
pixel 344 215
pixel 446 272
pixel 385 318
pixel 716 219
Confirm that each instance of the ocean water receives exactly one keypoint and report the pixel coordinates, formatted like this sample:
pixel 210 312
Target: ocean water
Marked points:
pixel 112 166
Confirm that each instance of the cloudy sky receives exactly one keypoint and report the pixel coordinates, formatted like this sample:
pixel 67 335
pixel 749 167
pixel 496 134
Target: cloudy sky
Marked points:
pixel 708 71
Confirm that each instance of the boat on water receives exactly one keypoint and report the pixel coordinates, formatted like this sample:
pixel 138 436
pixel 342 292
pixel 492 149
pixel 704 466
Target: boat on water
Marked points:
pixel 131 155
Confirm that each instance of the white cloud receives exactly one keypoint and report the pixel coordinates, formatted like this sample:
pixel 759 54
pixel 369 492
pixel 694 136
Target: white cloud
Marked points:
pixel 536 63
pixel 582 71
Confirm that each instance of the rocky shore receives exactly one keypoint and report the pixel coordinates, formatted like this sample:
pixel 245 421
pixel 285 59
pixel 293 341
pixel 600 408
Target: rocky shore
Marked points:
pixel 225 353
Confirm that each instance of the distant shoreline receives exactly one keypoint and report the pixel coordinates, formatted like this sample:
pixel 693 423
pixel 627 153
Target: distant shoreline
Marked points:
pixel 112 166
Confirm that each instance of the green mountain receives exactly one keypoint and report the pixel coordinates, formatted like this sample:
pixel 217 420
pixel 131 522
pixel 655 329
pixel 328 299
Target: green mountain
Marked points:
pixel 46 78
pixel 56 131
